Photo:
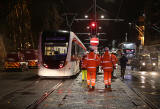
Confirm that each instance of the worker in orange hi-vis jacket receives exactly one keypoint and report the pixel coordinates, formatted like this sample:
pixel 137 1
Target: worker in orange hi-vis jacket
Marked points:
pixel 106 63
pixel 92 61
pixel 114 62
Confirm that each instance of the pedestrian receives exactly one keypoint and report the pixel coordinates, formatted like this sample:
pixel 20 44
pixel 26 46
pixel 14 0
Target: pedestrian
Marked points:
pixel 92 61
pixel 123 63
pixel 84 68
pixel 106 63
pixel 114 62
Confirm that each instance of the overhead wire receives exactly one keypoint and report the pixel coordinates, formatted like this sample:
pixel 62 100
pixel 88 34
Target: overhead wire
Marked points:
pixel 119 9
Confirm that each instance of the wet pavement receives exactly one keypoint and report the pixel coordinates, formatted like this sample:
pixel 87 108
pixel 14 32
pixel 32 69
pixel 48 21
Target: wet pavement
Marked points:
pixel 72 94
pixel 146 84
pixel 78 96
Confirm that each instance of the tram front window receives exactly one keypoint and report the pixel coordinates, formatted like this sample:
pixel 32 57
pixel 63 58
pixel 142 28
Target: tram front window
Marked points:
pixel 54 54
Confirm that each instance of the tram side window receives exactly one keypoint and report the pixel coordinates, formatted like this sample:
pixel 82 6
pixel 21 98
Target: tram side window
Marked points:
pixel 77 50
pixel 73 49
pixel 80 51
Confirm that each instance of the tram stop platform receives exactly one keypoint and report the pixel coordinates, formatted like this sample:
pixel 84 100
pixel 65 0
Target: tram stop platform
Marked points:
pixel 119 96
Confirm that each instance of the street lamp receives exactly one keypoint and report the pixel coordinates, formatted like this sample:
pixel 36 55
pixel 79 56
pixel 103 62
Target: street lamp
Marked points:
pixel 87 27
pixel 100 28
pixel 102 16
pixel 86 16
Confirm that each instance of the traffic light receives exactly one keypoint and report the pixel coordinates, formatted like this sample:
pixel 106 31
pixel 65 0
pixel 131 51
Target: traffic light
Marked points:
pixel 93 25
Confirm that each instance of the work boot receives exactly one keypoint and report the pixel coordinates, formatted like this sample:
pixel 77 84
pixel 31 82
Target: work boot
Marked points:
pixel 88 86
pixel 109 86
pixel 93 87
pixel 106 86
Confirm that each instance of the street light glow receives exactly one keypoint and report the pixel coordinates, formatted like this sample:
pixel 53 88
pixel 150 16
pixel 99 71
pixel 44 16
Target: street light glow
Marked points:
pixel 87 27
pixel 100 27
pixel 102 16
pixel 86 16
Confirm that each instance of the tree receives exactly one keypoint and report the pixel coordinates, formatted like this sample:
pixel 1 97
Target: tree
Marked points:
pixel 19 24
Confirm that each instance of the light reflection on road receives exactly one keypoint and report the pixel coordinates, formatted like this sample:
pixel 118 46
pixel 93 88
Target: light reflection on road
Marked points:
pixel 143 79
pixel 154 73
pixel 147 83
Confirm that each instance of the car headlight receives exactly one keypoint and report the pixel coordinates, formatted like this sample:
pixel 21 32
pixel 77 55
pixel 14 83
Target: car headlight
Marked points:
pixel 143 63
pixel 153 64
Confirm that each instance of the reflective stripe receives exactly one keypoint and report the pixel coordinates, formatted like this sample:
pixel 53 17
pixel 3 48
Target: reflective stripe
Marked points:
pixel 90 59
pixel 106 81
pixel 106 62
pixel 93 80
pixel 88 82
pixel 107 67
pixel 91 67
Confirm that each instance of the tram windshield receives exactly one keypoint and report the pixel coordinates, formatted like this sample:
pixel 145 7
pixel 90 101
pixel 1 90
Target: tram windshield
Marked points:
pixel 54 47
pixel 55 51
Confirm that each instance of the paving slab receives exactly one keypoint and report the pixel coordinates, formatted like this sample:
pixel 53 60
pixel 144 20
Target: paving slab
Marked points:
pixel 78 96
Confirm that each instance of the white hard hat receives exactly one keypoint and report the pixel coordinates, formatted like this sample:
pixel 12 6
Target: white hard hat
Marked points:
pixel 106 49
pixel 86 52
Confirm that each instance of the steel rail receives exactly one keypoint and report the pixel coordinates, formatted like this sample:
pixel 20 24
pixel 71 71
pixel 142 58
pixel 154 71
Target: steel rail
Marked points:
pixel 37 102
pixel 21 89
pixel 144 99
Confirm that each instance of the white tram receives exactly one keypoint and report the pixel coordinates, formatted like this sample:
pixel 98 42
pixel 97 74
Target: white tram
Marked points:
pixel 59 54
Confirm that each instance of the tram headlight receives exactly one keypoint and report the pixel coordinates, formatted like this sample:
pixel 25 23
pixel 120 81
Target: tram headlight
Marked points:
pixel 143 63
pixel 153 64
pixel 60 65
pixel 45 65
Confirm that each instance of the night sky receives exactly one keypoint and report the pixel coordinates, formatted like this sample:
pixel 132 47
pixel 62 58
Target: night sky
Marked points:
pixel 129 10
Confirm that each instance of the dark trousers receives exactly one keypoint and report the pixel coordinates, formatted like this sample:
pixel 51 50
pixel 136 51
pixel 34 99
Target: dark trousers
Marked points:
pixel 112 73
pixel 123 72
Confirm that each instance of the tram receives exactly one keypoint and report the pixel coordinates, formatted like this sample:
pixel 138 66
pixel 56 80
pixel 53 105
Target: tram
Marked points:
pixel 60 53
pixel 129 49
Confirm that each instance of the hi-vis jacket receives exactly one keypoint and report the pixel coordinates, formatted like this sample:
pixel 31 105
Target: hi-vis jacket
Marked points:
pixel 106 62
pixel 83 63
pixel 92 61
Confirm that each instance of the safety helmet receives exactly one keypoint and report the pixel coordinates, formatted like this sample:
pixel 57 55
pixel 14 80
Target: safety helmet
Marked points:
pixel 106 49
pixel 91 49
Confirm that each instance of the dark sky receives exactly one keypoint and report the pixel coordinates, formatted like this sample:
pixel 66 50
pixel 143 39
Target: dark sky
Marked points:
pixel 129 10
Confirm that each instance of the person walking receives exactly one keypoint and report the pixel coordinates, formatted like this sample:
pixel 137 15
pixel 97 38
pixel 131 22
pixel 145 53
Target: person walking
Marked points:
pixel 92 61
pixel 114 62
pixel 106 63
pixel 84 68
pixel 123 63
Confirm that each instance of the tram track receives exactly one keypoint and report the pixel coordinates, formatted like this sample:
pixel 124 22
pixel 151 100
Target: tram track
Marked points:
pixel 44 96
pixel 143 98
pixel 21 89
